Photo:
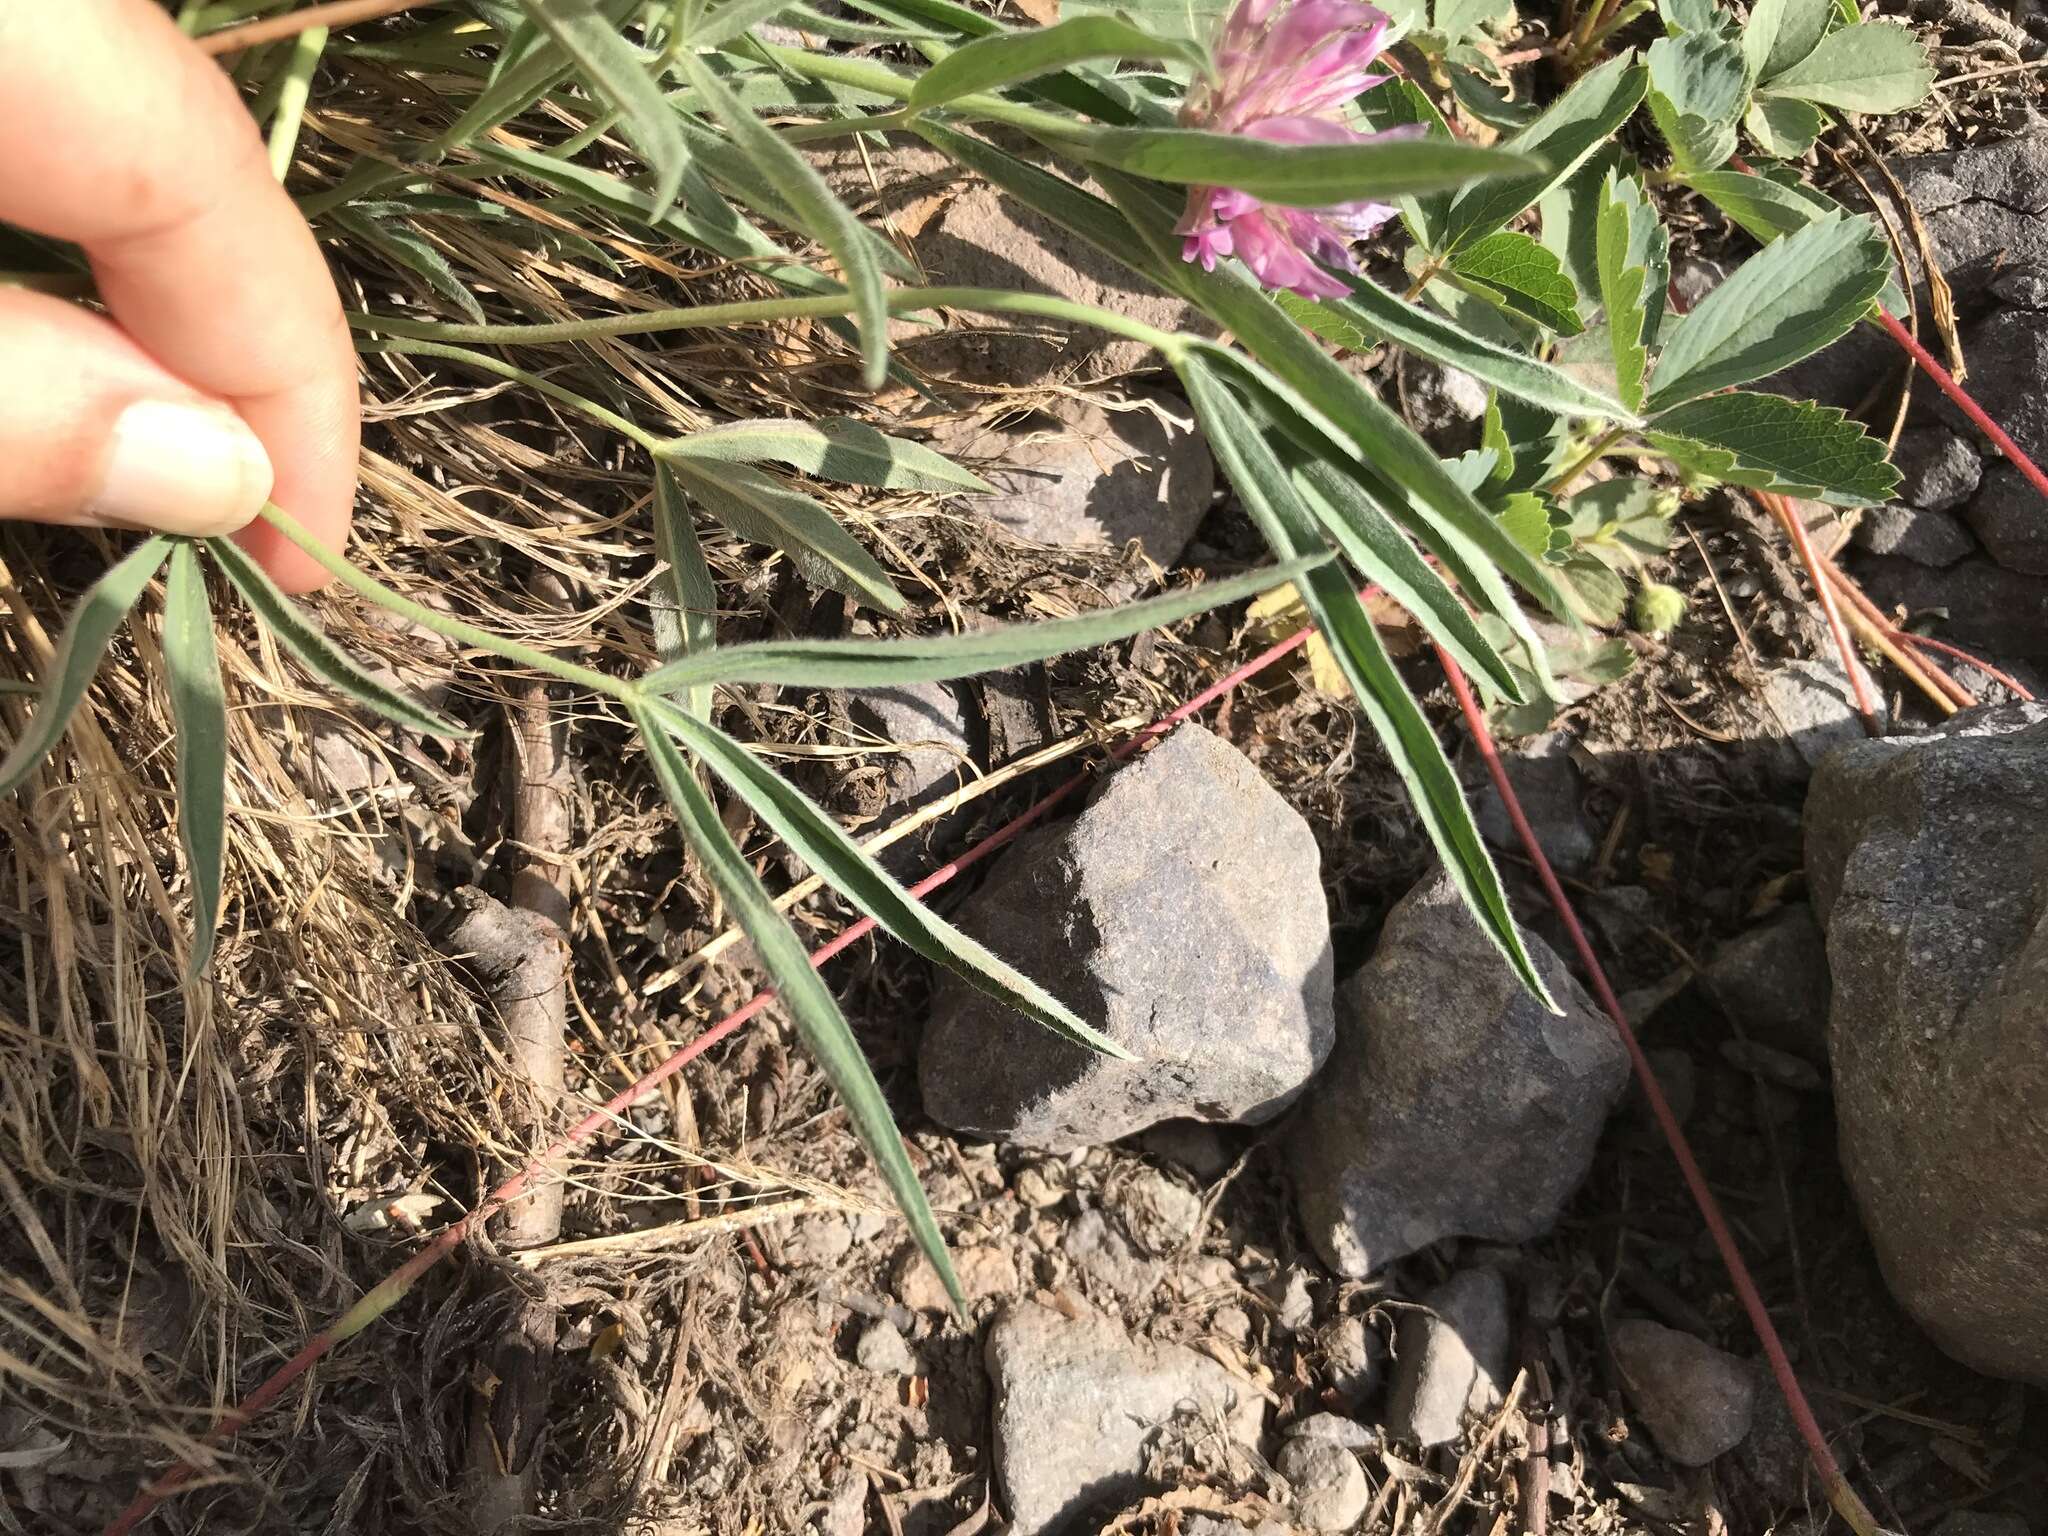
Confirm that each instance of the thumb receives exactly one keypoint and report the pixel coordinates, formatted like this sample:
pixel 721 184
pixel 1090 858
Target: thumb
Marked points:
pixel 95 433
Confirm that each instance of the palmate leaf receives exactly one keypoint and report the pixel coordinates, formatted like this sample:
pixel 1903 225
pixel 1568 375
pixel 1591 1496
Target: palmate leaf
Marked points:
pixel 821 843
pixel 883 663
pixel 583 31
pixel 1790 299
pixel 303 638
pixel 810 1002
pixel 1768 442
pixel 199 711
pixel 1004 59
pixel 1874 66
pixel 1269 495
pixel 834 448
pixel 79 648
pixel 1623 285
pixel 1779 33
pixel 760 508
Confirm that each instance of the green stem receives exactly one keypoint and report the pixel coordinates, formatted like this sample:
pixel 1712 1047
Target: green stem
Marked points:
pixel 504 370
pixel 993 301
pixel 366 585
pixel 845 127
pixel 1586 461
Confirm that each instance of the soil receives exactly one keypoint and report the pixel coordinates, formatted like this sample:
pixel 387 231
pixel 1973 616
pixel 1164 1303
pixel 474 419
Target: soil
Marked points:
pixel 193 1184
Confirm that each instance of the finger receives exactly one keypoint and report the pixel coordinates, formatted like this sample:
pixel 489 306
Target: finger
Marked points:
pixel 116 133
pixel 96 432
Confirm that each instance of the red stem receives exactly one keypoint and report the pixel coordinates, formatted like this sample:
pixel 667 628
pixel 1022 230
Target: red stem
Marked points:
pixel 1795 528
pixel 1930 366
pixel 388 1291
pixel 1840 1494
pixel 1925 643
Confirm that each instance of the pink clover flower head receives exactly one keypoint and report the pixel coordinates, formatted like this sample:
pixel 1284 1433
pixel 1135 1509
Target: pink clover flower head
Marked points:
pixel 1285 69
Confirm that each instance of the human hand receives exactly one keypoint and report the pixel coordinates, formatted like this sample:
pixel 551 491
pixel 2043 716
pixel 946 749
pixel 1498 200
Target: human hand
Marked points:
pixel 223 364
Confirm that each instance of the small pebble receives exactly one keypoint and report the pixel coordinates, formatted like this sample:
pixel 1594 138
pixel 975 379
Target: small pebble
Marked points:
pixel 1037 1191
pixel 1232 1323
pixel 1351 1354
pixel 1336 1429
pixel 1773 1066
pixel 818 1240
pixel 984 1272
pixel 1697 1400
pixel 1161 1215
pixel 881 1349
pixel 1294 1304
pixel 1330 1490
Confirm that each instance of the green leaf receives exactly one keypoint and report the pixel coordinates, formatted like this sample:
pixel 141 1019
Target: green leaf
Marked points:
pixel 200 712
pixel 686 623
pixel 1790 299
pixel 1782 127
pixel 1186 20
pixel 821 843
pixel 1602 595
pixel 406 247
pixel 1763 207
pixel 306 642
pixel 1568 215
pixel 1579 122
pixel 1782 32
pixel 811 1005
pixel 1772 443
pixel 613 66
pixel 1299 175
pixel 726 23
pixel 1698 86
pixel 823 215
pixel 1382 314
pixel 1622 521
pixel 1526 516
pixel 1456 20
pixel 1270 497
pixel 1623 286
pixel 990 63
pixel 1529 278
pixel 876 663
pixel 1482 99
pixel 1682 16
pixel 1375 544
pixel 1399 103
pixel 760 508
pixel 79 648
pixel 1874 66
pixel 834 448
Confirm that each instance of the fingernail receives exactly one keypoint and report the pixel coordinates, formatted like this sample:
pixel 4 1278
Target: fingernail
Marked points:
pixel 182 466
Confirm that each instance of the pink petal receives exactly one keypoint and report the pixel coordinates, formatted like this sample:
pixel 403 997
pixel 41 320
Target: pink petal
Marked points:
pixel 1301 130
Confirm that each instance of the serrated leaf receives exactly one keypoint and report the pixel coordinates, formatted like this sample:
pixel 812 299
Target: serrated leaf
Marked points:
pixel 811 1005
pixel 306 642
pixel 1698 85
pixel 1624 286
pixel 200 713
pixel 1782 127
pixel 877 663
pixel 794 179
pixel 1874 66
pixel 1772 443
pixel 1269 496
pixel 1787 31
pixel 835 448
pixel 84 640
pixel 1787 301
pixel 990 63
pixel 1569 216
pixel 1761 206
pixel 1682 16
pixel 1526 517
pixel 1530 278
pixel 1299 175
pixel 1491 105
pixel 824 846
pixel 686 624
pixel 1622 521
pixel 1579 122
pixel 614 69
pixel 760 508
pixel 1601 595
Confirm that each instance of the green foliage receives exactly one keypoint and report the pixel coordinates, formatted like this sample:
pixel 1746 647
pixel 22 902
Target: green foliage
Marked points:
pixel 1698 89
pixel 1512 269
pixel 199 711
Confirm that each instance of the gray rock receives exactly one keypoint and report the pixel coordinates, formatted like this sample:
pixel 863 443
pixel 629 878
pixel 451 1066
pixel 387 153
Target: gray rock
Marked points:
pixel 1107 1261
pixel 1938 469
pixel 845 1511
pixel 1697 1400
pixel 967 233
pixel 1925 537
pixel 1294 1302
pixel 1677 1076
pixel 1773 1454
pixel 1182 914
pixel 1547 782
pixel 1330 1490
pixel 817 1240
pixel 2008 353
pixel 1983 605
pixel 1335 1428
pixel 1161 1215
pixel 1977 1522
pixel 1443 404
pixel 927 722
pixel 2011 519
pixel 1773 981
pixel 1089 476
pixel 1927 862
pixel 2022 287
pixel 881 1349
pixel 1079 1405
pixel 1444 1061
pixel 1779 1068
pixel 1812 709
pixel 1351 1358
pixel 1196 1147
pixel 1450 1358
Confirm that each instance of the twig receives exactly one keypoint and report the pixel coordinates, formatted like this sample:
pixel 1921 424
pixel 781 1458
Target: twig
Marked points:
pixel 671 1232
pixel 1947 694
pixel 1787 514
pixel 1468 1465
pixel 336 13
pixel 2005 679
